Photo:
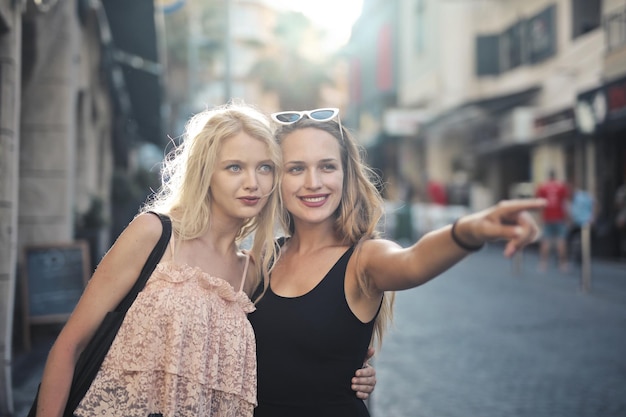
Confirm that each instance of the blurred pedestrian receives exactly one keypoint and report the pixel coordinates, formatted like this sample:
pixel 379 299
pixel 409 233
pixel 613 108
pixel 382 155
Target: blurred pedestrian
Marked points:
pixel 582 213
pixel 403 232
pixel 458 190
pixel 554 216
pixel 436 192
pixel 331 289
pixel 620 219
pixel 186 347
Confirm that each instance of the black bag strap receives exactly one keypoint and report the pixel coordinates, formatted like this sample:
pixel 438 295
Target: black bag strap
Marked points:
pixel 91 358
pixel 151 263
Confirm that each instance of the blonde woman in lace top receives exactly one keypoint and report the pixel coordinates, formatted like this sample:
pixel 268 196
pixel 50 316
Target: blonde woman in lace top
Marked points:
pixel 186 347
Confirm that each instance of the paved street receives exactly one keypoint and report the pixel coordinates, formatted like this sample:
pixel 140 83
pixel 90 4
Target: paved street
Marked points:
pixel 480 341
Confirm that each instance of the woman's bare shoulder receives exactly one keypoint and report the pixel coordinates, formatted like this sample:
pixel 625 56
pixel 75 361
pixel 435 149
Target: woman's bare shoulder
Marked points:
pixel 145 227
pixel 377 246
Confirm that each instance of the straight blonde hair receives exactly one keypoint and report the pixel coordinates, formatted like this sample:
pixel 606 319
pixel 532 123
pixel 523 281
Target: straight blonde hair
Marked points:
pixel 360 209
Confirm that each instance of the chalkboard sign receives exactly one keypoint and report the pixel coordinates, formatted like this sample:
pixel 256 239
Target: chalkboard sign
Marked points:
pixel 53 279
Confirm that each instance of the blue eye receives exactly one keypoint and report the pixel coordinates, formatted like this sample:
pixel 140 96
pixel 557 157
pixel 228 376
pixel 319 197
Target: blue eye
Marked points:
pixel 233 168
pixel 266 168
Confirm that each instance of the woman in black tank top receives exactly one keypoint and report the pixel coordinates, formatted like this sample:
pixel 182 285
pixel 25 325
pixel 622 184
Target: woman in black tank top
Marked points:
pixel 331 288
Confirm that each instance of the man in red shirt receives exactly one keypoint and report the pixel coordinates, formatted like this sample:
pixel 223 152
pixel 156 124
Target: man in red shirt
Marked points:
pixel 554 220
pixel 436 192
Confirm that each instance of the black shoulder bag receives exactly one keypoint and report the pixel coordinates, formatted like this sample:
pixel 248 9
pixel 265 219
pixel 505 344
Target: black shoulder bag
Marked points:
pixel 90 360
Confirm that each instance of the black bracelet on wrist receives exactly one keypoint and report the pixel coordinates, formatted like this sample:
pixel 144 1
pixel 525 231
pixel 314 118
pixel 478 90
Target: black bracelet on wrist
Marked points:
pixel 461 244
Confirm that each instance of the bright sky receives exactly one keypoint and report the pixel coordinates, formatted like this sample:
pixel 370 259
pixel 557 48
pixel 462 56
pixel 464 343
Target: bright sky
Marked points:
pixel 334 16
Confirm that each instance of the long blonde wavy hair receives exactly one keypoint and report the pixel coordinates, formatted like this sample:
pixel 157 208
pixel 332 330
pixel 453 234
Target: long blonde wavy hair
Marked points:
pixel 186 177
pixel 360 209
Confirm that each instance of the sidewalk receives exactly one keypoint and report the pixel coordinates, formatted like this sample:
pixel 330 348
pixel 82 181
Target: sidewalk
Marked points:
pixel 28 367
pixel 608 283
pixel 608 277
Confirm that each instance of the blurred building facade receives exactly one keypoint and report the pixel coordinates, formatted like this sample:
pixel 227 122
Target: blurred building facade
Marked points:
pixel 226 39
pixel 243 50
pixel 495 92
pixel 80 90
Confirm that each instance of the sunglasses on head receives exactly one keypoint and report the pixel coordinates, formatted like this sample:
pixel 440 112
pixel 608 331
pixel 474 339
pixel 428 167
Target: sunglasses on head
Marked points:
pixel 319 115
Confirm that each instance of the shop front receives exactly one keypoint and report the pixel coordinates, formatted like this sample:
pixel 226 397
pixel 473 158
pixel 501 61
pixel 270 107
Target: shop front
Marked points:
pixel 601 116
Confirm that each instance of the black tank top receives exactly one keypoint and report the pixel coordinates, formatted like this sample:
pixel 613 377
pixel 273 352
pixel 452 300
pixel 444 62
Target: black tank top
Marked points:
pixel 308 349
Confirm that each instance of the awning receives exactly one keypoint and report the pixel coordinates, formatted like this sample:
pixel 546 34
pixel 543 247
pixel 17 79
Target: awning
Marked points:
pixel 504 102
pixel 132 45
pixel 485 106
pixel 498 147
pixel 5 17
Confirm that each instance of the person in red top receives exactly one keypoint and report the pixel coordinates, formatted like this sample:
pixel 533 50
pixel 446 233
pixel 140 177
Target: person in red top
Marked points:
pixel 554 217
pixel 436 192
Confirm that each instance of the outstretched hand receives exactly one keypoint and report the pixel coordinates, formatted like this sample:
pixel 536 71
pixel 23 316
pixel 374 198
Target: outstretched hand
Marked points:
pixel 509 220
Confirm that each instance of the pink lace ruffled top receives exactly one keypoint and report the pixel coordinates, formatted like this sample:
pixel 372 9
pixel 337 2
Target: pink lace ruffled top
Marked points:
pixel 186 348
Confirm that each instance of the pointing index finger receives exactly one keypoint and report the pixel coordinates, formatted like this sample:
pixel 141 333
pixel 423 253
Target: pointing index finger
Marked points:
pixel 511 206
